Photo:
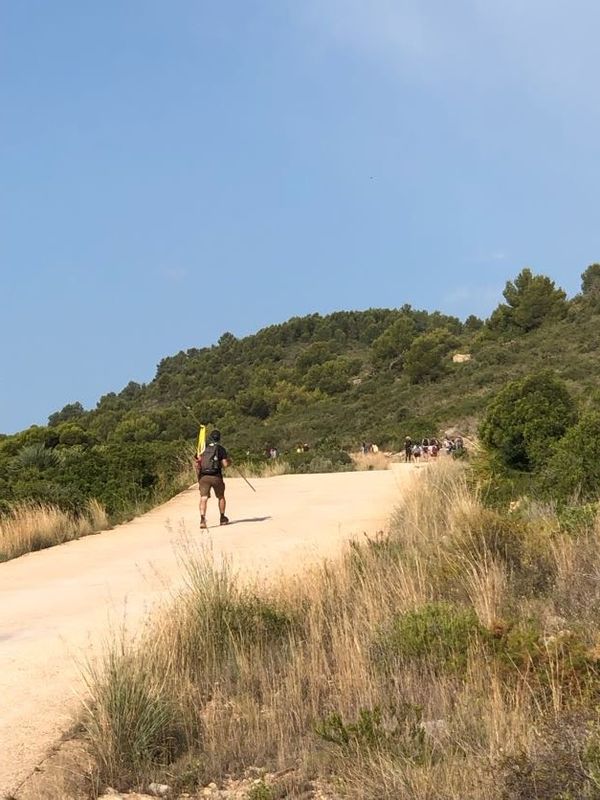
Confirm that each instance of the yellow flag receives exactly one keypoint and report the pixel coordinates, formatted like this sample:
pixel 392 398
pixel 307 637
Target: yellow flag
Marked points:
pixel 201 440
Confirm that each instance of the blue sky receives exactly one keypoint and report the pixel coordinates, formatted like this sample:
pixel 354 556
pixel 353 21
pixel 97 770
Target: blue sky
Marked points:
pixel 171 170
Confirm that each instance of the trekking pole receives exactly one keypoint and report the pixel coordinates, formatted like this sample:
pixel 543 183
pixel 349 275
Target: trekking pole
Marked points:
pixel 241 474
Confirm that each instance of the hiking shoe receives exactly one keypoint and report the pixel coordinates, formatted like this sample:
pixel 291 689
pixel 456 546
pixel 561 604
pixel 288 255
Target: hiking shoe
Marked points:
pixel 224 520
pixel 203 524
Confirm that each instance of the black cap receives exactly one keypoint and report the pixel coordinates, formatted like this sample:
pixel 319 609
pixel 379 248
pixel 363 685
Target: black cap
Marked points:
pixel 215 436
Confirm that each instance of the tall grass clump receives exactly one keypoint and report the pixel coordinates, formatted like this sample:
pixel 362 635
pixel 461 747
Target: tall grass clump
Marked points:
pixel 432 662
pixel 30 526
pixel 135 723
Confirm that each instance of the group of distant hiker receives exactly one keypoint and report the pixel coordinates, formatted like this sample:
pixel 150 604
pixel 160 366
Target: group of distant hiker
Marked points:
pixel 431 447
pixel 368 447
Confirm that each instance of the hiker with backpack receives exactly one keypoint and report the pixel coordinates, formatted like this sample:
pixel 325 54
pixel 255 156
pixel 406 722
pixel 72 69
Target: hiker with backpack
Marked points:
pixel 209 469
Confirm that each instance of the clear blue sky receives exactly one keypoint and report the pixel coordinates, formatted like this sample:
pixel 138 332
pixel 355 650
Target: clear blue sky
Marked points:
pixel 171 170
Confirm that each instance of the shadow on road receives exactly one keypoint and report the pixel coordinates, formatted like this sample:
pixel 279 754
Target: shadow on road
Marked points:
pixel 249 519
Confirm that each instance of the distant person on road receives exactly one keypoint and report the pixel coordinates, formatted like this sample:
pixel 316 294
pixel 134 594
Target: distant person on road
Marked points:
pixel 209 469
pixel 408 449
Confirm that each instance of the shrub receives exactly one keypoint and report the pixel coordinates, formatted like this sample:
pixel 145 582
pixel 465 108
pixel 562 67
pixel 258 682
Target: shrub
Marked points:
pixel 36 455
pixel 524 420
pixel 398 731
pixel 260 791
pixel 574 469
pixel 436 634
pixel 70 433
pixel 140 428
pixel 577 520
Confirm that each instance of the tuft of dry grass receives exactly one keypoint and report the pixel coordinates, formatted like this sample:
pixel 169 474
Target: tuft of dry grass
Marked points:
pixel 441 661
pixel 369 461
pixel 31 526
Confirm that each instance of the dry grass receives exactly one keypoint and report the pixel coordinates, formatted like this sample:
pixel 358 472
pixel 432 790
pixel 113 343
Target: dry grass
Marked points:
pixel 34 526
pixel 445 661
pixel 369 461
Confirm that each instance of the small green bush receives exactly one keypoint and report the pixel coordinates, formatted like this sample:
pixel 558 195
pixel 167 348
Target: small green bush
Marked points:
pixel 438 634
pixel 398 731
pixel 36 455
pixel 260 791
pixel 521 646
pixel 577 520
pixel 248 619
pixel 550 660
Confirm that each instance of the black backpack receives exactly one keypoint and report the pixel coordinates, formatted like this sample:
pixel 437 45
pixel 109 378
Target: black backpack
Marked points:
pixel 210 461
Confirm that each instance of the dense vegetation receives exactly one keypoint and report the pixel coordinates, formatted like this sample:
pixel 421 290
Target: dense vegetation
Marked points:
pixel 330 381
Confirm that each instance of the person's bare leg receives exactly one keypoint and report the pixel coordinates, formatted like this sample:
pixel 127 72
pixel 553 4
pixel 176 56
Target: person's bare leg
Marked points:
pixel 203 504
pixel 222 504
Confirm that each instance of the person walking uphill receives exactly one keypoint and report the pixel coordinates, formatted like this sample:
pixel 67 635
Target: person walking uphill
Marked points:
pixel 209 469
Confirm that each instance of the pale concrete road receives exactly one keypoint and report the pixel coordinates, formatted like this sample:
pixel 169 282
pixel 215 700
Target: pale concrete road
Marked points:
pixel 58 606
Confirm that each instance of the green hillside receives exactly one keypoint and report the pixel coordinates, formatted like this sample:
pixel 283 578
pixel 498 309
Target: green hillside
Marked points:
pixel 331 381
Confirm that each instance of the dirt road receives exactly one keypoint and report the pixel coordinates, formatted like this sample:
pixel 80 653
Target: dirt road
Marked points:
pixel 57 606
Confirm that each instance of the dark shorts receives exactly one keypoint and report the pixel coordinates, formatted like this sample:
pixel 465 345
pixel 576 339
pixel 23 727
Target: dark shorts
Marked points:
pixel 208 482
